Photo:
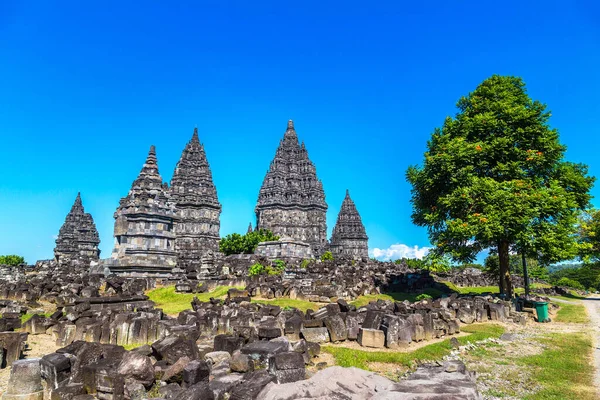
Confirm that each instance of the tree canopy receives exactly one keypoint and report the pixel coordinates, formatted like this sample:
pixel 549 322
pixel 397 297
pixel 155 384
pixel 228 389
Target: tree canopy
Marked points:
pixel 245 244
pixel 12 259
pixel 494 176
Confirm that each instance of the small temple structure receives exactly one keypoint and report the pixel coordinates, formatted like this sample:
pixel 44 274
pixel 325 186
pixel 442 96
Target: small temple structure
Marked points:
pixel 144 220
pixel 78 238
pixel 291 201
pixel 349 237
pixel 198 209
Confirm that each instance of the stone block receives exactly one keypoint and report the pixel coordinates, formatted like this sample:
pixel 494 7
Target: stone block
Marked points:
pixel 172 348
pixel 371 338
pixel 25 382
pixel 287 367
pixel 373 320
pixel 336 327
pixel 195 372
pixel 317 335
pixel 55 369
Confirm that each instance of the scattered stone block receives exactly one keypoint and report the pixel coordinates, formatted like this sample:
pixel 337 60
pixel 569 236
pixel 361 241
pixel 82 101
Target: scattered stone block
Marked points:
pixel 371 338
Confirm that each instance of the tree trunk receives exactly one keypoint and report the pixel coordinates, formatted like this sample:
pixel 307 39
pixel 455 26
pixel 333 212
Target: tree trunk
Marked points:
pixel 505 282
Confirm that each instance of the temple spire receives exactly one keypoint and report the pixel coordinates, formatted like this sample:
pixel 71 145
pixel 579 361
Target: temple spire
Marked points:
pixel 151 159
pixel 290 132
pixel 195 136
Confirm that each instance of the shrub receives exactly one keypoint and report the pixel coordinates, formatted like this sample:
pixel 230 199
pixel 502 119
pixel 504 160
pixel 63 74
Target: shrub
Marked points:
pixel 256 269
pixel 570 283
pixel 278 265
pixel 327 256
pixel 423 296
pixel 12 259
pixel 306 262
pixel 235 243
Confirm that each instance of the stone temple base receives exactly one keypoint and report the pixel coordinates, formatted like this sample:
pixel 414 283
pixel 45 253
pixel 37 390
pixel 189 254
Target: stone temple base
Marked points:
pixel 284 248
pixel 129 270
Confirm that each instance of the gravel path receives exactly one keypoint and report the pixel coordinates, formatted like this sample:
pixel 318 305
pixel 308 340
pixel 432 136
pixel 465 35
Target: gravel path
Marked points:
pixel 592 304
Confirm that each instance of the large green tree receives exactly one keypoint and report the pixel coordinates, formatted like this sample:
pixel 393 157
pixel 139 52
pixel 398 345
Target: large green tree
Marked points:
pixel 589 235
pixel 494 176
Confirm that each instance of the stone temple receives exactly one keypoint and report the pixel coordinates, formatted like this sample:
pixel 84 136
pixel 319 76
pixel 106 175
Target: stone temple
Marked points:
pixel 144 220
pixel 78 238
pixel 291 201
pixel 349 237
pixel 198 209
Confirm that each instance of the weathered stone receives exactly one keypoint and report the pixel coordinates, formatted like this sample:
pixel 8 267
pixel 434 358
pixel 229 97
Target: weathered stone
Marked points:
pixel 136 366
pixel 240 362
pixel 373 320
pixel 349 237
pixel 317 335
pixel 291 201
pixel 198 208
pixel 371 338
pixel 195 372
pixel 25 381
pixel 172 348
pixel 144 226
pixel 252 385
pixel 78 238
pixel 337 328
pixel 260 352
pixel 217 357
pixel 287 367
pixel 174 373
pixel 55 369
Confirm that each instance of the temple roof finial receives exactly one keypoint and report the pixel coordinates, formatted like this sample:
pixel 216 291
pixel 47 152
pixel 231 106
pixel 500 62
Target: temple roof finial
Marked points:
pixel 195 135
pixel 151 159
pixel 290 124
pixel 347 193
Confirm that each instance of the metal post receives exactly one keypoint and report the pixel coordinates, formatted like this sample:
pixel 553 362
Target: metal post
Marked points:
pixel 525 273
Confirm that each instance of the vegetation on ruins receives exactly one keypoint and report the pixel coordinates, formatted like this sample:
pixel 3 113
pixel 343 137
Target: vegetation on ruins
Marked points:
pixel 327 256
pixel 494 177
pixel 235 243
pixel 12 259
pixel 431 262
pixel 515 261
pixel 276 268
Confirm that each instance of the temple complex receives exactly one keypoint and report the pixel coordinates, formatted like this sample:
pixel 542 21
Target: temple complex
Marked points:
pixel 78 238
pixel 144 234
pixel 198 209
pixel 291 201
pixel 349 237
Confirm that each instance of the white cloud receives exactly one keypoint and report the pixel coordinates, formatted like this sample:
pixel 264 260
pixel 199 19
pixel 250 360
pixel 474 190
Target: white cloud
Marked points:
pixel 399 250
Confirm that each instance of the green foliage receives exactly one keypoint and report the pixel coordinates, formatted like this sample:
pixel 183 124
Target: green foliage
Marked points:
pixel 256 269
pixel 245 244
pixel 423 296
pixel 587 275
pixel 570 283
pixel 348 357
pixel 589 235
pixel 515 264
pixel 172 303
pixel 12 259
pixel 306 262
pixel 431 262
pixel 494 176
pixel 276 268
pixel 327 256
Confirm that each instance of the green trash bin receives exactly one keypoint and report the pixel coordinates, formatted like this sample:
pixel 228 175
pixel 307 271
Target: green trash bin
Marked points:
pixel 541 308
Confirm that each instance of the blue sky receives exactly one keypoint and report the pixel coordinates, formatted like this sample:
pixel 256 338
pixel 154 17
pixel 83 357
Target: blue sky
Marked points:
pixel 87 87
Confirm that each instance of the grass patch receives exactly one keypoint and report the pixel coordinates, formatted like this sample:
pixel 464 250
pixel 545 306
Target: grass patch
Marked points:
pixel 361 359
pixel 132 346
pixel 27 317
pixel 173 303
pixel 572 313
pixel 286 302
pixel 489 289
pixel 563 370
pixel 366 299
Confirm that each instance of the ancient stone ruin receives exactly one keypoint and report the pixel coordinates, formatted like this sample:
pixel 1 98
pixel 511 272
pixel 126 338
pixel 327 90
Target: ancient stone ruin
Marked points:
pixel 78 239
pixel 144 234
pixel 291 201
pixel 198 208
pixel 349 237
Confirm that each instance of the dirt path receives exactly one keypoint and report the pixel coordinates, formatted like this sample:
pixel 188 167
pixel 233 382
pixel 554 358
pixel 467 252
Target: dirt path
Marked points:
pixel 592 304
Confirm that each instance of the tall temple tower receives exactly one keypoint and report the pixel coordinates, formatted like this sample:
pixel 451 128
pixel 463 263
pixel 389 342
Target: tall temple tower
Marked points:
pixel 291 201
pixel 78 238
pixel 349 237
pixel 144 236
pixel 198 208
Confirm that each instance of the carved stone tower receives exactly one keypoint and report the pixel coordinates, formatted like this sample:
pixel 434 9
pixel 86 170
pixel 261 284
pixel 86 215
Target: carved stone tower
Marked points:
pixel 349 237
pixel 291 201
pixel 144 237
pixel 78 238
pixel 198 208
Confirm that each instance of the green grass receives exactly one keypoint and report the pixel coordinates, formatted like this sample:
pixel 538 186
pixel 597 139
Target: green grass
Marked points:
pixel 573 313
pixel 366 299
pixel 563 370
pixel 286 302
pixel 346 357
pixel 26 317
pixel 488 289
pixel 173 303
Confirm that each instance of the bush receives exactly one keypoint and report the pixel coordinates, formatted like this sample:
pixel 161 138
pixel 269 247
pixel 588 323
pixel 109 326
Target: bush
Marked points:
pixel 256 269
pixel 570 283
pixel 327 256
pixel 277 268
pixel 423 296
pixel 306 262
pixel 245 244
pixel 12 259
